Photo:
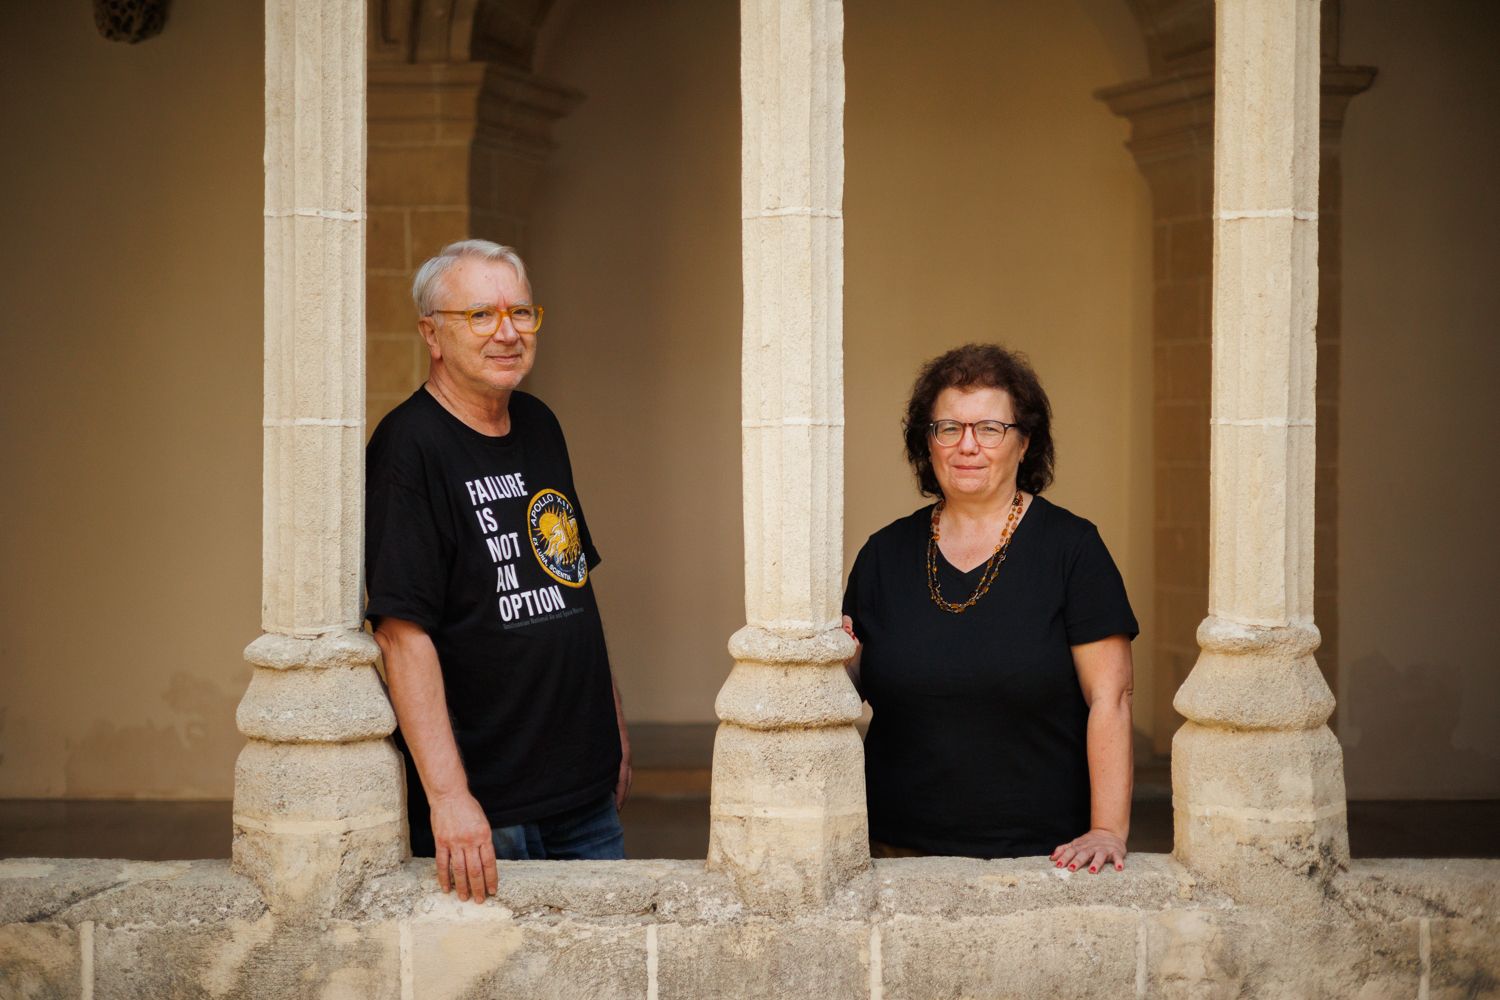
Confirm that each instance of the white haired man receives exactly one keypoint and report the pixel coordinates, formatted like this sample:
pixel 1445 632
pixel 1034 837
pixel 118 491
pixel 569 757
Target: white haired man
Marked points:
pixel 477 560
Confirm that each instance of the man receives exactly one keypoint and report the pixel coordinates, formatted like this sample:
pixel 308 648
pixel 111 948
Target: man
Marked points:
pixel 477 562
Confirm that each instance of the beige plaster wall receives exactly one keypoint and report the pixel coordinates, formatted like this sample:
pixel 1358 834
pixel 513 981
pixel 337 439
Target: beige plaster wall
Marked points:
pixel 130 269
pixel 989 196
pixel 1418 576
pixel 130 266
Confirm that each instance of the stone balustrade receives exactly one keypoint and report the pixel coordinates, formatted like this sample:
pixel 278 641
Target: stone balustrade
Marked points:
pixel 668 929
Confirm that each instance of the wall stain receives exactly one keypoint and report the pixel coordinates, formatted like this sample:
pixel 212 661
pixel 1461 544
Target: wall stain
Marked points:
pixel 191 757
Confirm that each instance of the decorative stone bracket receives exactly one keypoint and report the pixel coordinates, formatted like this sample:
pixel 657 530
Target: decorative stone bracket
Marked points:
pixel 130 21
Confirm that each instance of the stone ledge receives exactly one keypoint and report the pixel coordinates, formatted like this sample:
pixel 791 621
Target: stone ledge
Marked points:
pixel 917 927
pixel 1406 888
pixel 70 891
pixel 682 891
pixel 108 892
pixel 961 887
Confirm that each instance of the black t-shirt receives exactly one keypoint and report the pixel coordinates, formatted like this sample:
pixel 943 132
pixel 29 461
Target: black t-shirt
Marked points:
pixel 482 542
pixel 977 743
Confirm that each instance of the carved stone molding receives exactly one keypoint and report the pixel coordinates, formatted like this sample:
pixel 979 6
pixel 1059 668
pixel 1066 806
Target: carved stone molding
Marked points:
pixel 1173 114
pixel 1170 115
pixel 130 21
pixel 472 100
pixel 503 32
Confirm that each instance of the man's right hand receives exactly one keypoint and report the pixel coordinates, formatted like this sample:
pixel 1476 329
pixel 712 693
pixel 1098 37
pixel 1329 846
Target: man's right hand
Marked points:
pixel 465 852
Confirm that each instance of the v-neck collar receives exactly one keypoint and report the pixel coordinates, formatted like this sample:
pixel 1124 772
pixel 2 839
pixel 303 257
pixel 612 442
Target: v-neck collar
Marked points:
pixel 1031 511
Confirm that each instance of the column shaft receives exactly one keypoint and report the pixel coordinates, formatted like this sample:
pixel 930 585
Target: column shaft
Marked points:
pixel 1257 775
pixel 788 810
pixel 318 787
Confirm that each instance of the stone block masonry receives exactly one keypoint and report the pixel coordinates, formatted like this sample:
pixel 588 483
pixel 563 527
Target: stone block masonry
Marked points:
pixel 919 928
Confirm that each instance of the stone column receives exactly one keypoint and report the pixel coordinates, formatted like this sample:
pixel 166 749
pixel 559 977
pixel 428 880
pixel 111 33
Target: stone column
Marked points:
pixel 788 804
pixel 1257 776
pixel 317 798
pixel 456 149
pixel 1171 137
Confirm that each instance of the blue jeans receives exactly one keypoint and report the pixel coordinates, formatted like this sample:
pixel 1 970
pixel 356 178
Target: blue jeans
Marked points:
pixel 589 833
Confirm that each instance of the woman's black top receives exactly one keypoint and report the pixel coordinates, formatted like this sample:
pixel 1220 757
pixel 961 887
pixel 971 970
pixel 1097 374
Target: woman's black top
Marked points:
pixel 977 745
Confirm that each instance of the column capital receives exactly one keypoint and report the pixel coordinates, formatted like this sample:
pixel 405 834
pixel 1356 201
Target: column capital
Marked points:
pixel 1172 114
pixel 1341 84
pixel 517 109
pixel 459 101
pixel 417 31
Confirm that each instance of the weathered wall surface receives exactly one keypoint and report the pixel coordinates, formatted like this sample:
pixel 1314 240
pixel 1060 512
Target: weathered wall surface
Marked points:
pixel 130 268
pixel 1420 687
pixel 919 928
pixel 989 196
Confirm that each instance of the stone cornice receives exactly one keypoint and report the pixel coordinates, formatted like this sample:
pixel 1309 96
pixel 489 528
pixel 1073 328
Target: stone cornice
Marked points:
pixel 494 104
pixel 518 109
pixel 1172 114
pixel 447 31
pixel 1341 84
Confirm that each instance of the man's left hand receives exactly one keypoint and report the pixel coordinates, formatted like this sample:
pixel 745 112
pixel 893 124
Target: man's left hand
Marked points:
pixel 622 787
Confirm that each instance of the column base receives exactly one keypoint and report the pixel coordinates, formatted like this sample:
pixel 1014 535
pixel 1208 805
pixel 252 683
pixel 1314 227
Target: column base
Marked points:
pixel 1260 813
pixel 787 817
pixel 313 821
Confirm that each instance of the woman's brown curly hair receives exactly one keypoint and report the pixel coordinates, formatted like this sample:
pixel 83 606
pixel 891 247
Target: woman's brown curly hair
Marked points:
pixel 988 366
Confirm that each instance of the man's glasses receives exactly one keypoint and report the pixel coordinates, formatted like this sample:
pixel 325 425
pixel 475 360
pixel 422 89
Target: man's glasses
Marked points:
pixel 485 320
pixel 989 433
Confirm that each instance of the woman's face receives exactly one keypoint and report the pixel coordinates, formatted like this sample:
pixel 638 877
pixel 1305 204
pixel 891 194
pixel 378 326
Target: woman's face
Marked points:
pixel 966 469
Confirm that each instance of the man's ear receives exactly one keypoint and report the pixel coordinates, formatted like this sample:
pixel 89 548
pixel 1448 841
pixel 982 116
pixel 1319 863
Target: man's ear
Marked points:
pixel 428 329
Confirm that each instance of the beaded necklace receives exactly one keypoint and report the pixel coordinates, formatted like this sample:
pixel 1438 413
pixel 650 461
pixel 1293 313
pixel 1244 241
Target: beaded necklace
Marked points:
pixel 991 568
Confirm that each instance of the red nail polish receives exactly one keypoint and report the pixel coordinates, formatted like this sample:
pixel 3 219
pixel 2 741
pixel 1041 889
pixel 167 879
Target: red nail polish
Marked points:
pixel 1072 868
pixel 1093 870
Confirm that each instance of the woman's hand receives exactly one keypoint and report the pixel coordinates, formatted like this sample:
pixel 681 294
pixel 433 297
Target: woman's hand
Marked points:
pixel 849 630
pixel 1094 849
pixel 851 665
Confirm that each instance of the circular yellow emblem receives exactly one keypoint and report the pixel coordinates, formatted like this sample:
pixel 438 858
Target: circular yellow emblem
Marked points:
pixel 552 527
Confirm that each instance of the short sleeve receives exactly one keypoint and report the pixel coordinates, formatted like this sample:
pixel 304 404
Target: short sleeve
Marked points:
pixel 1097 606
pixel 857 595
pixel 590 553
pixel 406 557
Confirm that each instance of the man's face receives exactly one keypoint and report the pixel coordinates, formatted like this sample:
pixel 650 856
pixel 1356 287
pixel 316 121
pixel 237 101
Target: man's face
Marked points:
pixel 484 366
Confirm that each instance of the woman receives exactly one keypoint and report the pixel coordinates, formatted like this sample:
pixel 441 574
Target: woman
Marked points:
pixel 994 639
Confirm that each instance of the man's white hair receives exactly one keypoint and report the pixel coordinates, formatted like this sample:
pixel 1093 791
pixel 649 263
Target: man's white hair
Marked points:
pixel 424 287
